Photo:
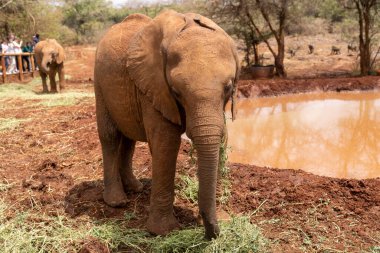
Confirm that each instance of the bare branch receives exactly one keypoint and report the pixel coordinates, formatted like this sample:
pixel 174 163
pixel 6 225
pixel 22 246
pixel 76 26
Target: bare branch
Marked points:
pixel 250 18
pixel 375 57
pixel 266 17
pixel 7 3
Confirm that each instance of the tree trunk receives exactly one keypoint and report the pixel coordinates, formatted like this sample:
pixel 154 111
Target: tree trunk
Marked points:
pixel 279 58
pixel 256 54
pixel 366 59
pixel 7 29
pixel 280 68
pixel 247 58
pixel 364 19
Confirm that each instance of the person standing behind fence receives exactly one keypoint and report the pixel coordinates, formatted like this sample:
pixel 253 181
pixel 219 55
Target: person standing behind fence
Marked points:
pixel 4 49
pixel 12 59
pixel 36 39
pixel 17 48
pixel 26 58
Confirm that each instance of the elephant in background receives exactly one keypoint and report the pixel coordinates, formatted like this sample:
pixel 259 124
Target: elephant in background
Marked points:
pixel 50 58
pixel 154 80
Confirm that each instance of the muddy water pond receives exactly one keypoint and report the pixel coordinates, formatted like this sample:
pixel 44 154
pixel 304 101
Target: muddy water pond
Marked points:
pixel 328 134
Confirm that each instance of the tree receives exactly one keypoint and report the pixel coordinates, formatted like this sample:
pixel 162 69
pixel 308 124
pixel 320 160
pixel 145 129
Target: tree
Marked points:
pixel 228 14
pixel 260 20
pixel 24 18
pixel 275 13
pixel 367 11
pixel 88 18
pixel 15 16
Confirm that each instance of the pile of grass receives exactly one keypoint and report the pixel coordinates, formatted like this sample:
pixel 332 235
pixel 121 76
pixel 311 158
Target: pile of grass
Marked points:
pixel 26 92
pixel 188 188
pixel 31 232
pixel 10 123
pixel 237 235
pixel 5 186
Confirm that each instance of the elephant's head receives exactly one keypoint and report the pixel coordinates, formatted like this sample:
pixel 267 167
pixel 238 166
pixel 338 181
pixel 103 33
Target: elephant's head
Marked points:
pixel 51 53
pixel 188 67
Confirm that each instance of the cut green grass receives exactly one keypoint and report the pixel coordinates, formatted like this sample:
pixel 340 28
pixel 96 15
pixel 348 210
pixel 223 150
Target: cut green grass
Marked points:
pixel 374 249
pixel 5 186
pixel 25 92
pixel 10 124
pixel 65 101
pixel 188 188
pixel 28 232
pixel 237 235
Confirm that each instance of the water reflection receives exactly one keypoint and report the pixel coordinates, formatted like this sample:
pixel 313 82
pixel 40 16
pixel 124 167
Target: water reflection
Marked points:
pixel 329 134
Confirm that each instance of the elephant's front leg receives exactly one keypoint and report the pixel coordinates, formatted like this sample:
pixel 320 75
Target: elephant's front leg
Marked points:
pixel 61 76
pixel 44 84
pixel 164 143
pixel 53 84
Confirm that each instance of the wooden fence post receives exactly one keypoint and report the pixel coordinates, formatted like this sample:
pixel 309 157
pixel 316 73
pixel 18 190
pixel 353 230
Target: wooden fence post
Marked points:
pixel 32 63
pixel 4 68
pixel 20 70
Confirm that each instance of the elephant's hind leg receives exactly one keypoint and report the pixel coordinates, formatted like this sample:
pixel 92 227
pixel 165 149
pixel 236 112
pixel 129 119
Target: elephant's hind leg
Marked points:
pixel 113 151
pixel 130 182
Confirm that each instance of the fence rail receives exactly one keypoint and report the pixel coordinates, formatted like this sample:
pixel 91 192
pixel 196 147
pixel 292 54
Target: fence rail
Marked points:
pixel 20 65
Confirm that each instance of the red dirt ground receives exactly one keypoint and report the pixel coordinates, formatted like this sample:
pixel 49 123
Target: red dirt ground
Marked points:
pixel 53 162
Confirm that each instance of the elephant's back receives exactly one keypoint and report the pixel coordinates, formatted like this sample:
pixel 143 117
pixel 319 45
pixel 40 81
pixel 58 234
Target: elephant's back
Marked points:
pixel 39 46
pixel 113 46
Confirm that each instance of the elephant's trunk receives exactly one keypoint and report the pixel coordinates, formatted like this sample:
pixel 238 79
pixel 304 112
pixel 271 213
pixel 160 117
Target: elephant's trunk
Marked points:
pixel 45 64
pixel 207 138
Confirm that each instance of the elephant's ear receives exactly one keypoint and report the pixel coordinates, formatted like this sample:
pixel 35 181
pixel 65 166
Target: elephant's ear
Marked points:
pixel 235 85
pixel 61 54
pixel 147 58
pixel 204 22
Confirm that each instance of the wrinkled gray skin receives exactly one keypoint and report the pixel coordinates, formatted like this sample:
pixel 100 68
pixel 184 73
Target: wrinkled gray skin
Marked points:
pixel 50 58
pixel 154 80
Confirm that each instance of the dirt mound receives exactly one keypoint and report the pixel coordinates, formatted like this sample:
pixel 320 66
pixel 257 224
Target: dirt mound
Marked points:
pixel 94 246
pixel 310 206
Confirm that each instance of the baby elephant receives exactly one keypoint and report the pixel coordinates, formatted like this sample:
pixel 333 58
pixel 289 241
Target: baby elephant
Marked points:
pixel 154 80
pixel 49 58
pixel 311 49
pixel 335 50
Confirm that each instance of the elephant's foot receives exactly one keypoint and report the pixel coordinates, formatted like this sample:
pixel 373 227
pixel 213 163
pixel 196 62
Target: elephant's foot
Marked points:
pixel 162 224
pixel 115 197
pixel 54 91
pixel 133 184
pixel 45 91
pixel 211 229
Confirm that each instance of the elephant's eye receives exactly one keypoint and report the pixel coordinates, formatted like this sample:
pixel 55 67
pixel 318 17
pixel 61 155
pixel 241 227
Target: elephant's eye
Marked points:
pixel 228 88
pixel 175 93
